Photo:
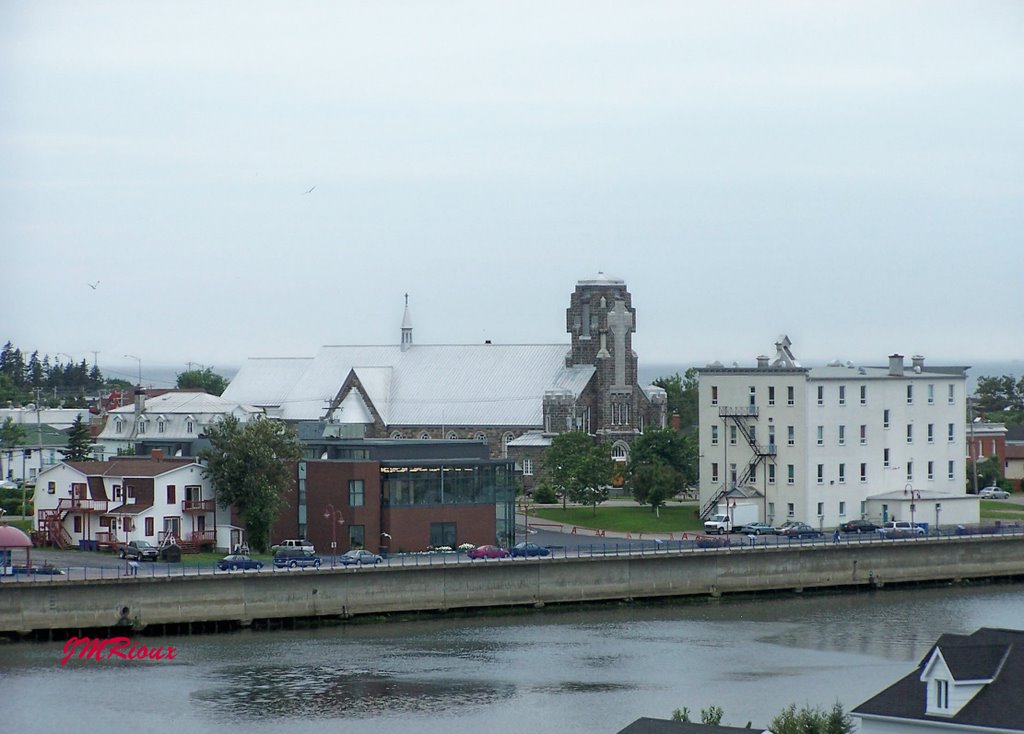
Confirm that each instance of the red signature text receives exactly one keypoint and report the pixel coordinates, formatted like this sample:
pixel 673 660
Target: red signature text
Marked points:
pixel 97 648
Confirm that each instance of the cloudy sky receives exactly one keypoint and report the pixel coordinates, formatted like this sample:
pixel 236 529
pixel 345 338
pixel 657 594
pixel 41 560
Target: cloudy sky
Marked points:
pixel 851 174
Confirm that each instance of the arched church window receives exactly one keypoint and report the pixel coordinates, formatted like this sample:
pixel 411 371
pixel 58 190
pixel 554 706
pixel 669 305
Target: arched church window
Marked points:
pixel 396 434
pixel 424 436
pixel 452 435
pixel 620 451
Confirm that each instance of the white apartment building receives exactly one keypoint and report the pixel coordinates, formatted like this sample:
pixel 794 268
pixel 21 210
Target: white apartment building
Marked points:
pixel 825 445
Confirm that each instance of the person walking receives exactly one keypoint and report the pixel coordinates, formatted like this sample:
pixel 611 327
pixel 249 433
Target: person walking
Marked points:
pixel 835 537
pixel 133 565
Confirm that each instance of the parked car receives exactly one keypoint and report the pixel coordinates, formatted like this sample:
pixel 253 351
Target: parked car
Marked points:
pixel 858 526
pixel 295 558
pixel 759 528
pixel 359 558
pixel 802 531
pixel 237 561
pixel 900 529
pixel 781 529
pixel 527 550
pixel 140 550
pixel 301 543
pixel 994 493
pixel 712 541
pixel 488 551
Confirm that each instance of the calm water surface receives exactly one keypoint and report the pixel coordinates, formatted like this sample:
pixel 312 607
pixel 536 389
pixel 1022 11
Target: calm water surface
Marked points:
pixel 552 671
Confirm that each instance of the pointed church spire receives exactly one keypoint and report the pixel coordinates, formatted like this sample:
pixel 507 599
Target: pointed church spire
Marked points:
pixel 406 326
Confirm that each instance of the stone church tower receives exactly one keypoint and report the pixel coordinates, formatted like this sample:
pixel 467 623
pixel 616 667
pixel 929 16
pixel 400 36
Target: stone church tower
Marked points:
pixel 601 321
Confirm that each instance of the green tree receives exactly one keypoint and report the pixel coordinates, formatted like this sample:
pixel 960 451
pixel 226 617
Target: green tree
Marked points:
pixel 711 716
pixel 248 464
pixel 661 463
pixel 80 441
pixel 812 720
pixel 682 396
pixel 205 379
pixel 581 468
pixel 12 435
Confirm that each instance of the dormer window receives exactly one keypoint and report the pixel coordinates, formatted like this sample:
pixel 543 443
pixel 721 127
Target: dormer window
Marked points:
pixel 941 694
pixel 118 425
pixel 190 423
pixel 142 426
pixel 160 424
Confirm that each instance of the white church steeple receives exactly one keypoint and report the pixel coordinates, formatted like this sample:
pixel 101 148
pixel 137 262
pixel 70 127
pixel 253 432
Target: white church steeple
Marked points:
pixel 406 326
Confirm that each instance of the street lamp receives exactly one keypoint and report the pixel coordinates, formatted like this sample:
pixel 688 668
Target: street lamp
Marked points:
pixel 334 515
pixel 139 360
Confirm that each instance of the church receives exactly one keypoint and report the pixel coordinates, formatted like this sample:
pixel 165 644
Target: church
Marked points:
pixel 513 397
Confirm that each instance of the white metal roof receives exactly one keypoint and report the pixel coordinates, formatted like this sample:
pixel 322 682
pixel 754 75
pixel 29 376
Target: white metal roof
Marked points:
pixel 472 384
pixel 265 381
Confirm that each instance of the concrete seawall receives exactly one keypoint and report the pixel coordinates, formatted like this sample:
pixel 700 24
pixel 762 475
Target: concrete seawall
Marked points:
pixel 142 602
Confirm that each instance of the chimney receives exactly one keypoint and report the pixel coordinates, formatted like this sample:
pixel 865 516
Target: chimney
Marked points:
pixel 157 454
pixel 677 422
pixel 140 401
pixel 762 362
pixel 918 362
pixel 896 365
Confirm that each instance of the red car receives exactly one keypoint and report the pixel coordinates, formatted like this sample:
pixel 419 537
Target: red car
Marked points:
pixel 488 551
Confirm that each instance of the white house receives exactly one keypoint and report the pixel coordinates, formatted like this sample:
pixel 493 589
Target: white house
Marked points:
pixel 172 421
pixel 99 503
pixel 966 683
pixel 828 444
pixel 45 435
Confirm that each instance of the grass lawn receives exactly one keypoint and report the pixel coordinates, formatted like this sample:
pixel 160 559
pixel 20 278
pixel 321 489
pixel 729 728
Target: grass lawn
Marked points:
pixel 625 519
pixel 1001 510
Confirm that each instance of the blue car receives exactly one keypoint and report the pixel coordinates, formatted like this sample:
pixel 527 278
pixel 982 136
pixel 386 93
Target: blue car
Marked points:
pixel 528 550
pixel 237 561
pixel 359 558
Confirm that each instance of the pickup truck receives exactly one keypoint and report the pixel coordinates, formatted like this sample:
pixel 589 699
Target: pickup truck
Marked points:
pixel 139 550
pixel 299 543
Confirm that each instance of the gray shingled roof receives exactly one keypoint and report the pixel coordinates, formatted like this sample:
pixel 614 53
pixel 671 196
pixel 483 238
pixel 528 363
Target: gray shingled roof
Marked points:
pixel 998 704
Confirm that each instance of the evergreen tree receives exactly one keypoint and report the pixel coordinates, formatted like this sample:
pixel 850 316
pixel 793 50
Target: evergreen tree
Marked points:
pixel 80 442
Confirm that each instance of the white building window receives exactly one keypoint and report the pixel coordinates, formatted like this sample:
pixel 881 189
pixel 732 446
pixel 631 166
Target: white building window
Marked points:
pixel 821 435
pixel 951 469
pixel 790 509
pixel 931 470
pixel 821 509
pixel 790 474
pixel 821 394
pixel 863 434
pixel 842 394
pixel 821 473
pixel 842 435
pixel 931 433
pixel 771 395
pixel 714 435
pixel 771 475
pixel 885 418
pixel 714 394
pixel 842 509
pixel 863 394
pixel 931 394
pixel 950 432
pixel 790 396
pixel 842 473
pixel 528 467
pixel 910 471
pixel 790 436
pixel 863 471
pixel 714 471
pixel 732 435
pixel 910 433
pixel 910 394
pixel 885 457
pixel 952 393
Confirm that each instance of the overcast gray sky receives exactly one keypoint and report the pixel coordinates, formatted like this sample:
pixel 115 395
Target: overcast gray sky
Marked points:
pixel 851 174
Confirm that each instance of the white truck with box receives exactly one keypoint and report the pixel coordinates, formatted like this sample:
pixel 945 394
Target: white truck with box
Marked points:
pixel 732 521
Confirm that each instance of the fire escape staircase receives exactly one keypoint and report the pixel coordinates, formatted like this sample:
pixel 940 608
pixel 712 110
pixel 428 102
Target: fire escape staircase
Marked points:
pixel 762 453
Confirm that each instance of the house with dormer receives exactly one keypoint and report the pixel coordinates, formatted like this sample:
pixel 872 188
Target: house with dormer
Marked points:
pixel 96 504
pixel 966 683
pixel 173 422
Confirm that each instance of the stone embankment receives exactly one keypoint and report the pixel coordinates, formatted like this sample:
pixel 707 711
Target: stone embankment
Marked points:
pixel 241 599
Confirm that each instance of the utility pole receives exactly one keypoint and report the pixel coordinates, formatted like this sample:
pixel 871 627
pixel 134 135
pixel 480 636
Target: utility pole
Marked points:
pixel 39 434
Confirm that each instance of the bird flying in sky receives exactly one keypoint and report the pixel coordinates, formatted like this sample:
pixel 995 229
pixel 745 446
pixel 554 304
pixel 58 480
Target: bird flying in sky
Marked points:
pixel 93 285
pixel 309 190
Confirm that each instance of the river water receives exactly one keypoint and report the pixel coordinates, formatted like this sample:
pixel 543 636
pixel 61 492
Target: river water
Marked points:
pixel 555 670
